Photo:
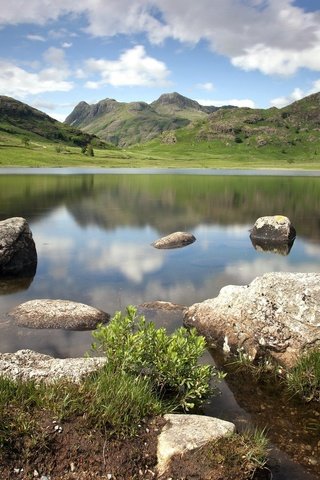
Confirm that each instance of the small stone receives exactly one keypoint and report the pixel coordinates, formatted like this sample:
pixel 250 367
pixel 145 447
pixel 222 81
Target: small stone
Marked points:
pixel 35 473
pixel 174 240
pixel 109 476
pixel 72 467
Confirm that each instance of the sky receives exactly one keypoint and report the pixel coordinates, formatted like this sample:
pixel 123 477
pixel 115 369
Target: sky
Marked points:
pixel 255 53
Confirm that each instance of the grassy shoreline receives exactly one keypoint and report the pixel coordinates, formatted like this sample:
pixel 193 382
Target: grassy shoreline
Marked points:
pixel 153 156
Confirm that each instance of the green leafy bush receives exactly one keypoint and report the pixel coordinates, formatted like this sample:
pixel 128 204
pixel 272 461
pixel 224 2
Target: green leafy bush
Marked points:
pixel 170 362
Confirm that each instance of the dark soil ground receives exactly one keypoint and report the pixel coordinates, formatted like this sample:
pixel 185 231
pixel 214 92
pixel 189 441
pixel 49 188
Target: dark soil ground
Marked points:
pixel 68 451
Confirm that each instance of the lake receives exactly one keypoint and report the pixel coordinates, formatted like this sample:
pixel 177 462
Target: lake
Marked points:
pixel 93 233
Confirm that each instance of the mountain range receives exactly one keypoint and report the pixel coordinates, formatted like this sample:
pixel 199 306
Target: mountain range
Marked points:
pixel 126 124
pixel 172 119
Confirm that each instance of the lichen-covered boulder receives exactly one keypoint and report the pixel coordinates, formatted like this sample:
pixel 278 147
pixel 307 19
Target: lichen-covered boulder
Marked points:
pixel 65 314
pixel 29 365
pixel 18 255
pixel 174 240
pixel 277 315
pixel 273 229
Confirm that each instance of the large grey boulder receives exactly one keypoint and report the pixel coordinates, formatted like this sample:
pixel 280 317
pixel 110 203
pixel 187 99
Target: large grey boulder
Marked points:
pixel 174 240
pixel 46 313
pixel 18 255
pixel 183 433
pixel 29 365
pixel 278 314
pixel 273 229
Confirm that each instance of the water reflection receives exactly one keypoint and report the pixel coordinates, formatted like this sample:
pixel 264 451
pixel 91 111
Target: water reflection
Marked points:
pixel 14 284
pixel 93 235
pixel 272 247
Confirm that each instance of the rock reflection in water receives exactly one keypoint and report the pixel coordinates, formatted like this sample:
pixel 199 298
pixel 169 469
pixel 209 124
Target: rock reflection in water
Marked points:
pixel 272 247
pixel 11 285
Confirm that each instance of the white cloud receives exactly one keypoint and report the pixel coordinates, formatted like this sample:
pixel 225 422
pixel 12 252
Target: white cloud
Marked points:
pixel 245 102
pixel 272 36
pixel 19 82
pixel 66 45
pixel 35 38
pixel 270 60
pixel 280 102
pixel 134 67
pixel 296 94
pixel 206 86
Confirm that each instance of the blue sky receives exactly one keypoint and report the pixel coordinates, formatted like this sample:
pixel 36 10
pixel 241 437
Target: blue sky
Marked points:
pixel 256 53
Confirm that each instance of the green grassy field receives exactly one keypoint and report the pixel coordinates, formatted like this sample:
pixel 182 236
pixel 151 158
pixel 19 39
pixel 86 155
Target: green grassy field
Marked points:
pixel 183 154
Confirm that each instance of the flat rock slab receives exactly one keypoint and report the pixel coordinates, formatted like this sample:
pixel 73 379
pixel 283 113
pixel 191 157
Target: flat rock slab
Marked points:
pixel 278 314
pixel 18 255
pixel 183 433
pixel 65 314
pixel 29 365
pixel 174 240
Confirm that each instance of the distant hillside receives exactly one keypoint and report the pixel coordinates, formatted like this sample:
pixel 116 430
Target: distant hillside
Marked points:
pixel 289 126
pixel 18 119
pixel 126 124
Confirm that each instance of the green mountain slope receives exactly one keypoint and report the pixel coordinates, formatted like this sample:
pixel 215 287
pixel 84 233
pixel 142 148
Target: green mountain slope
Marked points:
pixel 296 123
pixel 19 121
pixel 126 124
pixel 243 132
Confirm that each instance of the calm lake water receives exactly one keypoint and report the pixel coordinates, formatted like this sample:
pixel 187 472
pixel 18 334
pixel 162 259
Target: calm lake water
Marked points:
pixel 93 234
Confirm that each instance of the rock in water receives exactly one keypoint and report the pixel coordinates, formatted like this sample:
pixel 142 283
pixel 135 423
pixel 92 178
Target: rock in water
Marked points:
pixel 278 314
pixel 273 229
pixel 18 255
pixel 175 240
pixel 45 313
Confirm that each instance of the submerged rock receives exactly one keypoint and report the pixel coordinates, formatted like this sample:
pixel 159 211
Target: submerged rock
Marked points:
pixel 273 229
pixel 45 313
pixel 29 365
pixel 184 433
pixel 278 314
pixel 18 255
pixel 174 240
